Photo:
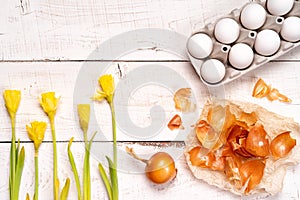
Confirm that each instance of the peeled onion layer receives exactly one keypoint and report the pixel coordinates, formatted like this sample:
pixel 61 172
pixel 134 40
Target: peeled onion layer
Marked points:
pixel 274 170
pixel 281 145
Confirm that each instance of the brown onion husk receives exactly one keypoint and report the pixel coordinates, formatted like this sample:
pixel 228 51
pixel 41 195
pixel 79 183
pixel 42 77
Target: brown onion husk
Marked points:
pixel 237 141
pixel 261 89
pixel 232 164
pixel 276 95
pixel 281 145
pixel 175 123
pixel 249 118
pixel 222 121
pixel 205 134
pixel 274 170
pixel 251 172
pixel 182 100
pixel 206 159
pixel 257 142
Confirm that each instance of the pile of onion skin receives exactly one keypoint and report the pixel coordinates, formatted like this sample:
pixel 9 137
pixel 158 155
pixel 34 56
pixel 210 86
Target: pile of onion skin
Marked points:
pixel 237 146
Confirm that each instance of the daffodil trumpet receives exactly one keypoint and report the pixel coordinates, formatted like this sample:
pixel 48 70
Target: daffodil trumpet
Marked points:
pixel 49 102
pixel 84 117
pixel 106 82
pixel 36 132
pixel 12 100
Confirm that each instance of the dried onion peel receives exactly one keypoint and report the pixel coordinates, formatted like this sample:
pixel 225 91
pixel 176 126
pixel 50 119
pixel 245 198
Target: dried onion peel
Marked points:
pixel 182 100
pixel 251 172
pixel 246 153
pixel 281 145
pixel 175 123
pixel 261 89
pixel 257 142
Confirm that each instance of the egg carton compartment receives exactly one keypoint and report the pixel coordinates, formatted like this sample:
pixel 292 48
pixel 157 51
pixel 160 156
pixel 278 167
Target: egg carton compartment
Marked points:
pixel 244 40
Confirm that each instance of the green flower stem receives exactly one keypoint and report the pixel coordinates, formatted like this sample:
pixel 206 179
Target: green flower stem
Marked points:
pixel 36 165
pixel 13 156
pixel 86 170
pixel 55 178
pixel 114 130
pixel 74 168
pixel 114 179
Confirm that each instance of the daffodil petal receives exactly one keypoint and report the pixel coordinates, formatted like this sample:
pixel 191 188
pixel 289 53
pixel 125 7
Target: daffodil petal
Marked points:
pixel 49 103
pixel 12 100
pixel 107 84
pixel 36 132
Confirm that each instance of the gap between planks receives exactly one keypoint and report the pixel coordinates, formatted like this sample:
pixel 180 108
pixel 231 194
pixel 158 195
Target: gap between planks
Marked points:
pixel 121 60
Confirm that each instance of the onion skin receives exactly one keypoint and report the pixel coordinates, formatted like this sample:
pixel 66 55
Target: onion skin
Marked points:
pixel 257 142
pixel 206 159
pixel 205 134
pixel 160 168
pixel 252 170
pixel 261 89
pixel 276 95
pixel 232 164
pixel 281 145
pixel 182 100
pixel 175 123
pixel 237 140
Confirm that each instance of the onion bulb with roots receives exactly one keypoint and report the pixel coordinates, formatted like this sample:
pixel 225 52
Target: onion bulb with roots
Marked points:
pixel 160 168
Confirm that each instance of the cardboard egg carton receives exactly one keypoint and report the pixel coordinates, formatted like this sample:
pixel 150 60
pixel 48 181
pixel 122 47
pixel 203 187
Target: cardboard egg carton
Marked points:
pixel 221 51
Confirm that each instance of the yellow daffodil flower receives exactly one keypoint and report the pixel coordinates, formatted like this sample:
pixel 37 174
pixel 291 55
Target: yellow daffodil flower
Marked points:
pixel 49 103
pixel 84 116
pixel 106 82
pixel 36 131
pixel 12 100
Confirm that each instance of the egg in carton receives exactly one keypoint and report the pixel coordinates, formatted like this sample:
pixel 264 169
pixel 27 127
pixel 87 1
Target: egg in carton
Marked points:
pixel 244 40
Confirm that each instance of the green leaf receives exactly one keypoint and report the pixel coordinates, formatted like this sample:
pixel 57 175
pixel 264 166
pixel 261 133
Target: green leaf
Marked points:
pixel 11 181
pixel 65 191
pixel 91 140
pixel 105 180
pixel 19 170
pixel 113 178
pixel 86 171
pixel 86 176
pixel 74 168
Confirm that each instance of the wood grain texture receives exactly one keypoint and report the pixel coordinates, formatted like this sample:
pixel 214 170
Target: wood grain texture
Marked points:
pixel 44 44
pixel 133 183
pixel 71 30
pixel 35 78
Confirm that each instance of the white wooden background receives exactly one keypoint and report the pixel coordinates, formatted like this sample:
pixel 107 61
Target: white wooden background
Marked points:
pixel 43 44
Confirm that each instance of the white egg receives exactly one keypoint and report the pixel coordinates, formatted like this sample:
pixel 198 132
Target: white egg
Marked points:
pixel 212 71
pixel 253 16
pixel 267 42
pixel 227 30
pixel 290 30
pixel 200 45
pixel 279 7
pixel 241 56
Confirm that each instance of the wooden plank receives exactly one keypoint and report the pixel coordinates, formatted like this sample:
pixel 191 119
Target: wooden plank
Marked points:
pixel 132 182
pixel 59 30
pixel 133 101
